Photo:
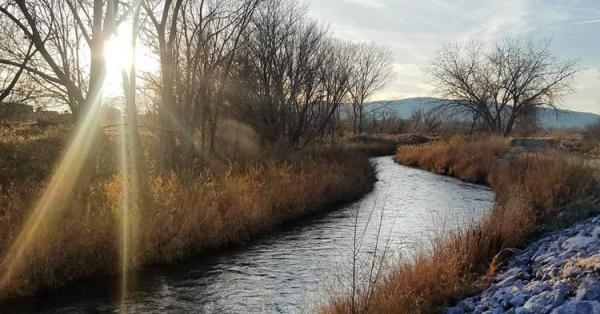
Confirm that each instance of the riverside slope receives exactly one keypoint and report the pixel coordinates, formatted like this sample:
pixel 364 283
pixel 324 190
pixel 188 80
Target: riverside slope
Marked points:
pixel 557 274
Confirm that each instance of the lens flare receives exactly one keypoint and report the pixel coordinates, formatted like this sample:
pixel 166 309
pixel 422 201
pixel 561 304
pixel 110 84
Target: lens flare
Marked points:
pixel 58 192
pixel 124 207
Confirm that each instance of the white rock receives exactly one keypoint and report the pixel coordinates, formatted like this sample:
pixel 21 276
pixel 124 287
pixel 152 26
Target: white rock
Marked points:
pixel 578 242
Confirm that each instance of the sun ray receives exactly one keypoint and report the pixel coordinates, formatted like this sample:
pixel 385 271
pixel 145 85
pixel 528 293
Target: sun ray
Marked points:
pixel 58 192
pixel 124 207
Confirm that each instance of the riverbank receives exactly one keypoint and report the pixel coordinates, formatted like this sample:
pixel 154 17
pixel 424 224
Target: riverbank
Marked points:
pixel 557 274
pixel 181 216
pixel 534 193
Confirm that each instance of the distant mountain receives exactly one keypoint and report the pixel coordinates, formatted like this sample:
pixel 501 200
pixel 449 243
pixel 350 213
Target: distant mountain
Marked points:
pixel 548 118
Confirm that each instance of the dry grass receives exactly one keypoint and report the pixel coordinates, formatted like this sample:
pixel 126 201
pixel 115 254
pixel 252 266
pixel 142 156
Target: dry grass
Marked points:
pixel 381 144
pixel 469 161
pixel 532 193
pixel 180 216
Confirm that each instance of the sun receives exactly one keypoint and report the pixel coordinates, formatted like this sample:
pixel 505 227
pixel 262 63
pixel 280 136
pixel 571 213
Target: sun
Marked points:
pixel 119 55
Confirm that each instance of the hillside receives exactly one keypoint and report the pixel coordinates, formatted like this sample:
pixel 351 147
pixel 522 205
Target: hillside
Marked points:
pixel 548 118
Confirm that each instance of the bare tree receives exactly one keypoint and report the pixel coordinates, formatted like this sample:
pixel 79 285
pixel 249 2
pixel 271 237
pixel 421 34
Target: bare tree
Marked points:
pixel 197 42
pixel 62 34
pixel 280 70
pixel 372 71
pixel 501 84
pixel 425 121
pixel 336 76
pixel 130 91
pixel 293 76
pixel 163 16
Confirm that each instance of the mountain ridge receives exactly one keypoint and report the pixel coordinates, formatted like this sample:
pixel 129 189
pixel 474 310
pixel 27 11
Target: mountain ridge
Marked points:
pixel 548 118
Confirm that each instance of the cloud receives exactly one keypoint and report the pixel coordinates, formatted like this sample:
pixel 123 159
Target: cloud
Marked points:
pixel 586 96
pixel 587 22
pixel 409 81
pixel 416 29
pixel 366 3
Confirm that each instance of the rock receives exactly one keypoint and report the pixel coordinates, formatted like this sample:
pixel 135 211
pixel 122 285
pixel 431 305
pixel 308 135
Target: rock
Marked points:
pixel 501 296
pixel 480 308
pixel 518 300
pixel 557 262
pixel 558 274
pixel 522 310
pixel 578 307
pixel 517 285
pixel 468 304
pixel 589 289
pixel 507 281
pixel 543 258
pixel 535 287
pixel 545 301
pixel 522 259
pixel 455 310
pixel 578 242
pixel 596 232
pixel 509 273
pixel 494 311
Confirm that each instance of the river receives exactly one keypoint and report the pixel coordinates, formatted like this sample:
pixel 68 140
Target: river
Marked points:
pixel 295 269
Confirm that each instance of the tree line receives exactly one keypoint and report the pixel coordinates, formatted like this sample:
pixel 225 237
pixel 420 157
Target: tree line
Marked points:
pixel 264 63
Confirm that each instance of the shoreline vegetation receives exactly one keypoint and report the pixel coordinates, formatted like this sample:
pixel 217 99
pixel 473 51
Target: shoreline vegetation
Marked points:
pixel 535 192
pixel 185 215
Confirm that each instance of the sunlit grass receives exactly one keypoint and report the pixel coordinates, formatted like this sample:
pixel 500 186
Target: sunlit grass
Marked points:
pixel 182 213
pixel 57 194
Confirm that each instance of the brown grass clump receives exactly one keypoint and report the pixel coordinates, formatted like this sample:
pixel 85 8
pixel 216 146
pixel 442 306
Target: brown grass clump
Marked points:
pixel 468 161
pixel 532 193
pixel 182 214
pixel 381 144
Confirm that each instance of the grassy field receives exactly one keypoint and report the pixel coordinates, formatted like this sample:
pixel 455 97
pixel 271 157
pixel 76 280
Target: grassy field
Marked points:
pixel 534 192
pixel 181 214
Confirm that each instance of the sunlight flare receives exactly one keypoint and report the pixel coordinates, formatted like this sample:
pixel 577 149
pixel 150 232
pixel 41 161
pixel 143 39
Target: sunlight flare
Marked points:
pixel 124 207
pixel 58 192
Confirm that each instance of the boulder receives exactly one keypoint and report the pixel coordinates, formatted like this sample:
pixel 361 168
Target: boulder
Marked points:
pixel 578 242
pixel 589 289
pixel 535 287
pixel 522 310
pixel 518 300
pixel 578 307
pixel 545 301
pixel 455 310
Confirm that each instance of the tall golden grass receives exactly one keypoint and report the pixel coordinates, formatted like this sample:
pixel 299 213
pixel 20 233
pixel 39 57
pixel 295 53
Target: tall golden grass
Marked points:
pixel 182 215
pixel 533 192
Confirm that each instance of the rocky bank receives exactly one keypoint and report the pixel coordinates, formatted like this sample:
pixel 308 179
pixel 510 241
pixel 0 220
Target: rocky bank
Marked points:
pixel 557 274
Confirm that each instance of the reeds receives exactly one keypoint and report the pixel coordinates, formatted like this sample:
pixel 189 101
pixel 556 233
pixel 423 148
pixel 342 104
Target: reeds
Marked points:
pixel 181 214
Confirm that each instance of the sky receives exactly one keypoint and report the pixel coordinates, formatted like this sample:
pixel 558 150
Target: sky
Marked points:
pixel 416 29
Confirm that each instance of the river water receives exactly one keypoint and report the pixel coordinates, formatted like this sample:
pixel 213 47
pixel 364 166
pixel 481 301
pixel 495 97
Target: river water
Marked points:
pixel 295 269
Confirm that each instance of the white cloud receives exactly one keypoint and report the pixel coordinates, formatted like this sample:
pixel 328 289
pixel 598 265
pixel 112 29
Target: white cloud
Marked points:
pixel 416 29
pixel 588 22
pixel 366 3
pixel 409 81
pixel 586 96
